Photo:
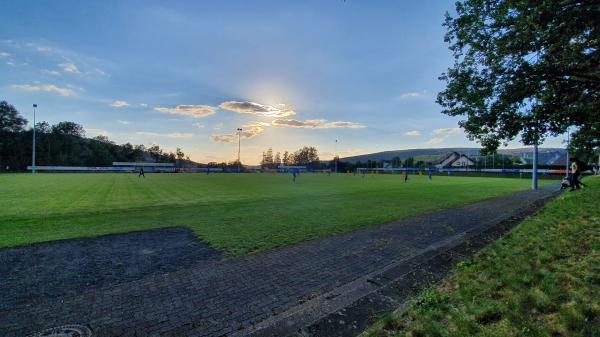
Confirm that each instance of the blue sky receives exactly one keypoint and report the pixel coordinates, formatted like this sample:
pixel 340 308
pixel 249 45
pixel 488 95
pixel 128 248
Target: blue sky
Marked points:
pixel 188 74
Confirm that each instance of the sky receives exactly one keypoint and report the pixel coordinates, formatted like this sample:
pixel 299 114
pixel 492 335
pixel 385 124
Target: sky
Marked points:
pixel 188 74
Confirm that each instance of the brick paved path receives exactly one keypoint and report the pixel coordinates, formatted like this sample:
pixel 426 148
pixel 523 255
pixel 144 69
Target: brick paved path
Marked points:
pixel 219 297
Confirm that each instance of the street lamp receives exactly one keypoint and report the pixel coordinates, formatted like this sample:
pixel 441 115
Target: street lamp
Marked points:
pixel 239 130
pixel 33 147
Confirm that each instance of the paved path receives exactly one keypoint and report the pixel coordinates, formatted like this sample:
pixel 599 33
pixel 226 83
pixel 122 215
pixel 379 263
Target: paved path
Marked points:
pixel 218 297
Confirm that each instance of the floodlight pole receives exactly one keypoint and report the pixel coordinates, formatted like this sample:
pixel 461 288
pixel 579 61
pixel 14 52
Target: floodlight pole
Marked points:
pixel 239 148
pixel 534 177
pixel 33 147
pixel 568 145
pixel 335 156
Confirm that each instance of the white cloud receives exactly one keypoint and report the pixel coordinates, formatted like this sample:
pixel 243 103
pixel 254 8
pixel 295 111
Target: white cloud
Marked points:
pixel 123 122
pixel 316 124
pixel 175 135
pixel 410 95
pixel 258 109
pixel 413 95
pixel 180 135
pixel 50 72
pixel 248 131
pixel 101 72
pixel 413 133
pixel 257 123
pixel 4 54
pixel 11 63
pixel 446 131
pixel 92 132
pixel 436 140
pixel 199 125
pixel 440 135
pixel 143 105
pixel 196 111
pixel 119 104
pixel 69 68
pixel 44 87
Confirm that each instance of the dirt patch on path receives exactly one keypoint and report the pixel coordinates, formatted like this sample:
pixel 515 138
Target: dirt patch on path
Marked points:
pixel 55 269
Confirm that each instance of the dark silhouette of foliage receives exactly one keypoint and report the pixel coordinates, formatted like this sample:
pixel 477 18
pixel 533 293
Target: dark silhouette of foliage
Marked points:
pixel 65 144
pixel 528 68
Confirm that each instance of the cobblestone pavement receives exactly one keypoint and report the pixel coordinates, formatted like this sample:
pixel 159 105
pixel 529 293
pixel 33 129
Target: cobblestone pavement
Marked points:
pixel 220 297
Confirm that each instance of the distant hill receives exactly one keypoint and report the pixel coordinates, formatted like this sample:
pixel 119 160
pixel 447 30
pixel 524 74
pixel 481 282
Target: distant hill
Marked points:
pixel 547 156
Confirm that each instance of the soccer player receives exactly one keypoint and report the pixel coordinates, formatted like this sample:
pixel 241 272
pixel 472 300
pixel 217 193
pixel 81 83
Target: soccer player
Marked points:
pixel 429 174
pixel 406 176
pixel 141 174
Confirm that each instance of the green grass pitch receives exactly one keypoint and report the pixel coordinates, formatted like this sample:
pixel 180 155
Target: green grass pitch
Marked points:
pixel 237 213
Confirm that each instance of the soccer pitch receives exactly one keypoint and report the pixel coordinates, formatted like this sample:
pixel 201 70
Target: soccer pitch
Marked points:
pixel 237 213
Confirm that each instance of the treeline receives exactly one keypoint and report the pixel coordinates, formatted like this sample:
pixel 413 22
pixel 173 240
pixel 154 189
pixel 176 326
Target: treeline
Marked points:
pixel 307 156
pixel 65 144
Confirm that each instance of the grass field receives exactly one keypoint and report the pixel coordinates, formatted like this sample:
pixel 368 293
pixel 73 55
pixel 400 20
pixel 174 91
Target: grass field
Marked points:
pixel 239 214
pixel 542 279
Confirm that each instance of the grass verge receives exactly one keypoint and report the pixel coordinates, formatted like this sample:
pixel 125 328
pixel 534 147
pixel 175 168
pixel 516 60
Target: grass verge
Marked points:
pixel 541 279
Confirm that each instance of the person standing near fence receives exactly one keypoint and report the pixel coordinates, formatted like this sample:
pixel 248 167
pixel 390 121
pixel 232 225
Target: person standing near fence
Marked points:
pixel 575 172
pixel 141 174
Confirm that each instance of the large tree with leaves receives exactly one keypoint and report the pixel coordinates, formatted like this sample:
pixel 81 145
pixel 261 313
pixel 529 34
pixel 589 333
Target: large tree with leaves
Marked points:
pixel 523 68
pixel 10 119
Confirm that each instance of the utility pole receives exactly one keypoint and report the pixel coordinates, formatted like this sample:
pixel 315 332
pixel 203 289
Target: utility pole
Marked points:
pixel 33 147
pixel 239 130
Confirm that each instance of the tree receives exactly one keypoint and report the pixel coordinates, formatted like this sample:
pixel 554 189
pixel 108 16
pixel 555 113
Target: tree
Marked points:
pixel 10 119
pixel 585 144
pixel 42 127
pixel 286 158
pixel 277 160
pixel 69 129
pixel 103 139
pixel 269 158
pixel 522 67
pixel 180 157
pixel 156 152
pixel 305 156
pixel 62 144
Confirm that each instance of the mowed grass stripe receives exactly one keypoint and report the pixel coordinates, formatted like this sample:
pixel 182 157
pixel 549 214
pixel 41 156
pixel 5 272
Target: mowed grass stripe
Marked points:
pixel 239 214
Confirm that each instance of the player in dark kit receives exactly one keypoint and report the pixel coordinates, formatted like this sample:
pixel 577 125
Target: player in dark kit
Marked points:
pixel 141 173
